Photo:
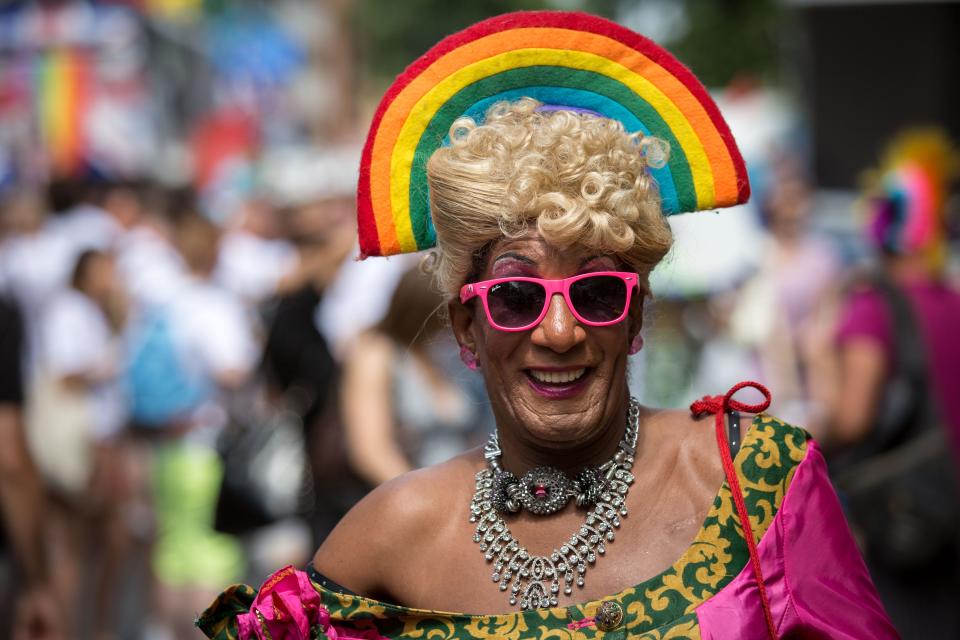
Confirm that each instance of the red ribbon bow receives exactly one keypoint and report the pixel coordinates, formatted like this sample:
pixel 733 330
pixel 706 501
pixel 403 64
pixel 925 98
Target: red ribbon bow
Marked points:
pixel 722 404
pixel 718 406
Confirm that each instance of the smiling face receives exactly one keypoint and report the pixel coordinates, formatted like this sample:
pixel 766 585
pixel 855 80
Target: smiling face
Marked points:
pixel 561 385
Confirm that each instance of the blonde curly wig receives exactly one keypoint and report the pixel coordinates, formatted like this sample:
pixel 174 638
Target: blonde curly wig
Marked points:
pixel 578 179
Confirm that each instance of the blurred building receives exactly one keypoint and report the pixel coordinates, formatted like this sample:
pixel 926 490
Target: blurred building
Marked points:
pixel 871 68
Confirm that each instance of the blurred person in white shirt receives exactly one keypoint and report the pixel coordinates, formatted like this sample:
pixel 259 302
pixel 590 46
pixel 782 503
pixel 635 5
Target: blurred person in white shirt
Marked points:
pixel 209 320
pixel 79 339
pixel 35 260
pixel 214 336
pixel 77 417
pixel 761 325
pixel 255 262
pixel 47 232
pixel 149 265
pixel 83 215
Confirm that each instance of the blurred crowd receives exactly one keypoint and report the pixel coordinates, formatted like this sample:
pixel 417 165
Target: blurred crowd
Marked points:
pixel 162 352
pixel 198 379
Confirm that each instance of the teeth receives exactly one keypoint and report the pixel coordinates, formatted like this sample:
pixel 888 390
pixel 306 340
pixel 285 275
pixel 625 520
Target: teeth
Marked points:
pixel 557 377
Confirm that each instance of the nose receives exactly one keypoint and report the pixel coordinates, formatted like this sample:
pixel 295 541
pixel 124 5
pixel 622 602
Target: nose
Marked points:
pixel 559 330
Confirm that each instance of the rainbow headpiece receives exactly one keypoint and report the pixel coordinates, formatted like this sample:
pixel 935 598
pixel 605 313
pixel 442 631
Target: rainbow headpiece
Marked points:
pixel 562 59
pixel 907 197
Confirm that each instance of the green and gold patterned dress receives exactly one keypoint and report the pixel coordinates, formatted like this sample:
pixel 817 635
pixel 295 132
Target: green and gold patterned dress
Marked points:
pixel 668 605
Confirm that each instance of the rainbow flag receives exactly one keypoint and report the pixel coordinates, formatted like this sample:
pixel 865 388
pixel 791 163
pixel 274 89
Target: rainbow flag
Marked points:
pixel 61 96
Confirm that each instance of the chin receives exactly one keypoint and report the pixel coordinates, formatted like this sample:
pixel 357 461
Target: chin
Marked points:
pixel 565 413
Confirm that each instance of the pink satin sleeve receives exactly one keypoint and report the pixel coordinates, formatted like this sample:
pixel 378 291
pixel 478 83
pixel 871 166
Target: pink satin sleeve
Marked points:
pixel 816 580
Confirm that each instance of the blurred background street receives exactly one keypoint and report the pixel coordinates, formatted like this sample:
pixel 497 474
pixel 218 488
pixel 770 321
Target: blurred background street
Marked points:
pixel 198 379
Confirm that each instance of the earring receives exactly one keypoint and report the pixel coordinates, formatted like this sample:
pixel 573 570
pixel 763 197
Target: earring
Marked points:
pixel 469 358
pixel 636 344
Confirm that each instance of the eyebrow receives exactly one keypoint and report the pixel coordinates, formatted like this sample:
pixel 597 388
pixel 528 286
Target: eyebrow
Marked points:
pixel 512 255
pixel 515 256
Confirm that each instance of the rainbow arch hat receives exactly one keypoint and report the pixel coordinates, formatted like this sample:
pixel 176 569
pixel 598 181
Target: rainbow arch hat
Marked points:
pixel 565 60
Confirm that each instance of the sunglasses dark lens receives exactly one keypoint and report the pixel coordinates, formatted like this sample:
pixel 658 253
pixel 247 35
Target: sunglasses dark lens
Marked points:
pixel 599 298
pixel 516 303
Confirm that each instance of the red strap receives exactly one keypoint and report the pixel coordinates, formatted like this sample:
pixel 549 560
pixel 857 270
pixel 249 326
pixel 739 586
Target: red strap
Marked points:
pixel 718 406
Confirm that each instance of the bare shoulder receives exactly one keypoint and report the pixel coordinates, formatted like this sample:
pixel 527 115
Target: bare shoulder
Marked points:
pixel 685 442
pixel 410 513
pixel 676 428
pixel 679 423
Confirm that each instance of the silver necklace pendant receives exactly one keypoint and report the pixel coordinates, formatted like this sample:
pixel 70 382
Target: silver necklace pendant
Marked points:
pixel 544 490
pixel 535 581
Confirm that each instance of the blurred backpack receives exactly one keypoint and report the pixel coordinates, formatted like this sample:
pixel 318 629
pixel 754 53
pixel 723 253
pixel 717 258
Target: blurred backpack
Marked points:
pixel 265 471
pixel 161 386
pixel 900 486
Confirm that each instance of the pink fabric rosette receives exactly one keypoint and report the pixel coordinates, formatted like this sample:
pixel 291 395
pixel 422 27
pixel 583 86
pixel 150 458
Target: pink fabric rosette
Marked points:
pixel 287 607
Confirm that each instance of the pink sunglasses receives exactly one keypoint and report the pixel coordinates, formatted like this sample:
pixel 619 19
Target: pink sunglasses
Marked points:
pixel 596 299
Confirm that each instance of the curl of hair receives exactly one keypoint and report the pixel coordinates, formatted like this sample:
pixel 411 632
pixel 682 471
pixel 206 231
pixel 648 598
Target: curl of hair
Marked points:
pixel 578 179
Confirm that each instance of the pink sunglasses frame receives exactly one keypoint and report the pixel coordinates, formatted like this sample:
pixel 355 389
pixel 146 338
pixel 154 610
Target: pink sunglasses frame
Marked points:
pixel 552 287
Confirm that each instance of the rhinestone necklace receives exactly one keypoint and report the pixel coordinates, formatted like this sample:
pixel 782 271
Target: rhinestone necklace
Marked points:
pixel 536 580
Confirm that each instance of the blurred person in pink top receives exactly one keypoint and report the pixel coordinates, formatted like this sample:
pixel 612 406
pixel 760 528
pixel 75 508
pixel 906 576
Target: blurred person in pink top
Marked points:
pixel 906 226
pixel 889 387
